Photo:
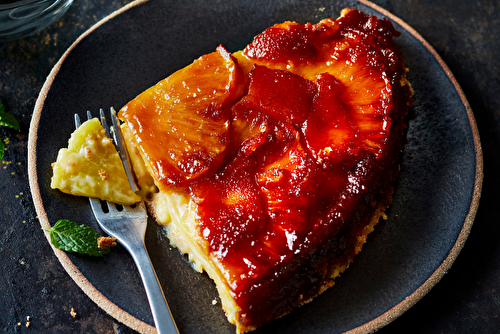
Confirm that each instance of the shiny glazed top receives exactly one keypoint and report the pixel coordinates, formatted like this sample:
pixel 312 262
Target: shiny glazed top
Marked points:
pixel 285 146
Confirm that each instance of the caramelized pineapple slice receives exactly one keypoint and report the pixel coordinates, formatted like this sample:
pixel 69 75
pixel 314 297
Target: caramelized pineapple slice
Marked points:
pixel 358 53
pixel 91 167
pixel 182 123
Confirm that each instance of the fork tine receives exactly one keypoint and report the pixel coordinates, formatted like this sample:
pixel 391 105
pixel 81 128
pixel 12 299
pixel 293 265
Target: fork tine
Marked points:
pixel 112 207
pixel 122 149
pixel 77 121
pixel 95 203
pixel 104 123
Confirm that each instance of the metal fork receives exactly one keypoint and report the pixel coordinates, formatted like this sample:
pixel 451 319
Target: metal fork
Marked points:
pixel 128 225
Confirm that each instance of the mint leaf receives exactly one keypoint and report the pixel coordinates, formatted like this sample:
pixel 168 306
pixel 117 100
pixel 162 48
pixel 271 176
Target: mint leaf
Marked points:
pixel 70 237
pixel 2 149
pixel 7 119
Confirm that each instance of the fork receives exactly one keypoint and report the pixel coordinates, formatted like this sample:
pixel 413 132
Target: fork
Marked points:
pixel 128 225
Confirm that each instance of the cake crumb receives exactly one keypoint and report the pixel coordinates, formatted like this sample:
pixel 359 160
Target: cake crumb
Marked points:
pixel 103 242
pixel 73 313
pixel 102 173
pixel 214 302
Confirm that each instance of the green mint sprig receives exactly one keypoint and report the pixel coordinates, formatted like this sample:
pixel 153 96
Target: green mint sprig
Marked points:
pixel 71 237
pixel 9 121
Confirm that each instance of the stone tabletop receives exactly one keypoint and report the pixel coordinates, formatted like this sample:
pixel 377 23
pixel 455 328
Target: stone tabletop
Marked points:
pixel 38 296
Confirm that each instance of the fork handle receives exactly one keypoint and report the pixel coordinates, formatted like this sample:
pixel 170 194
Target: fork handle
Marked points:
pixel 162 316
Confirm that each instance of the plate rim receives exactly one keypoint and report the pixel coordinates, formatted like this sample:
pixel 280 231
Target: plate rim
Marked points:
pixel 373 325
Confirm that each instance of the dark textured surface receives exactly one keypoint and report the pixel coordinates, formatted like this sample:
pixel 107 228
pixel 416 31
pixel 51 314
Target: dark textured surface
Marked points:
pixel 465 301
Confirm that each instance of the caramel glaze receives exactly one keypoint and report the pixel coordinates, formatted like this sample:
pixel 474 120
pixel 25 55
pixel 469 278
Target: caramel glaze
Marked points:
pixel 311 162
pixel 299 211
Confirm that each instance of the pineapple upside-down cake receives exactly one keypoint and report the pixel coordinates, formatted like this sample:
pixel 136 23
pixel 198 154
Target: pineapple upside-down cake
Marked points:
pixel 270 166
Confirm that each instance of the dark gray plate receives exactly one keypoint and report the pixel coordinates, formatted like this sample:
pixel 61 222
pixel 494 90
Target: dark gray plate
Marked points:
pixel 434 205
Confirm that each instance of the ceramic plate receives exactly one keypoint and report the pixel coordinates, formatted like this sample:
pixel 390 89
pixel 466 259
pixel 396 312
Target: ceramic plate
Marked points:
pixel 434 204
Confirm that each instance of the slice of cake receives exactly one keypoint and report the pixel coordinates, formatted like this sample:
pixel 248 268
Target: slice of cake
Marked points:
pixel 270 166
pixel 91 167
